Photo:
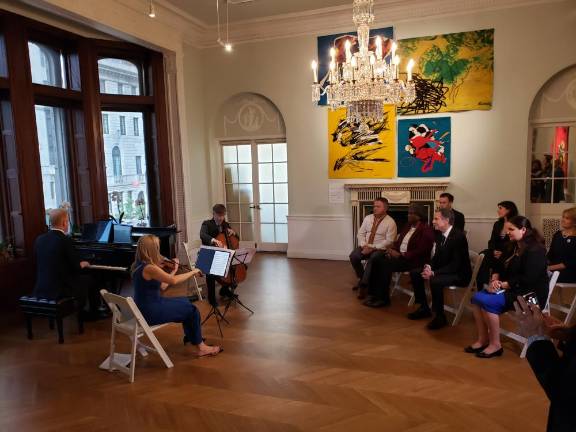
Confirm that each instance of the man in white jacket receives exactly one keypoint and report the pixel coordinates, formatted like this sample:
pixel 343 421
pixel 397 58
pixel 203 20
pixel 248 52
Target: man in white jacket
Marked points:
pixel 378 232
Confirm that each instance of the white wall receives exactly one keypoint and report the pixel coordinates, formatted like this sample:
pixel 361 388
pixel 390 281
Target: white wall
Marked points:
pixel 489 154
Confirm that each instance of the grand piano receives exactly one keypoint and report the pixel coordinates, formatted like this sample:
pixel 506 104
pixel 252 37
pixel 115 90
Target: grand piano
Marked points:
pixel 111 247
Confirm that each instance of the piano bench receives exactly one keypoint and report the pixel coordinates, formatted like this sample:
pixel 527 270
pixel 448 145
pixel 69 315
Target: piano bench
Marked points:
pixel 51 309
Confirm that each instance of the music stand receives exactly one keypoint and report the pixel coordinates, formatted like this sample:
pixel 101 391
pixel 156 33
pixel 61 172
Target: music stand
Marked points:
pixel 242 257
pixel 215 312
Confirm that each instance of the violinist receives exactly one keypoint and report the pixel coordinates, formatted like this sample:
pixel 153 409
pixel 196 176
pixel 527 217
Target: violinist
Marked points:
pixel 151 276
pixel 209 232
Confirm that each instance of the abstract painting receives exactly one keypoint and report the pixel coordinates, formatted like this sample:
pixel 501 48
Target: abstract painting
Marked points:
pixel 453 72
pixel 354 154
pixel 424 147
pixel 337 41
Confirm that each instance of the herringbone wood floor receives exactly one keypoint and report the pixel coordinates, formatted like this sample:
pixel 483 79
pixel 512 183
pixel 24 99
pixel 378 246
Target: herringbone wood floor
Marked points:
pixel 311 359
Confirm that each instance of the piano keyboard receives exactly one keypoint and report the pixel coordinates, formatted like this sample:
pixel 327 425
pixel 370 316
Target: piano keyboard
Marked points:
pixel 108 268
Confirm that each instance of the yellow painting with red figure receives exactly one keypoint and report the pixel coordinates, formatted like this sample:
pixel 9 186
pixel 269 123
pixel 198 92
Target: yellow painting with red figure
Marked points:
pixel 353 153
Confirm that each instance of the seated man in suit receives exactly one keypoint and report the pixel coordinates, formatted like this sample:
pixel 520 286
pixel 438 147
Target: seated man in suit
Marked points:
pixel 210 229
pixel 446 201
pixel 58 266
pixel 378 232
pixel 450 265
pixel 410 251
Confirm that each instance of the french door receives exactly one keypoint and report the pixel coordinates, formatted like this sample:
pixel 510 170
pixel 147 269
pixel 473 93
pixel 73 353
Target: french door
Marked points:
pixel 256 187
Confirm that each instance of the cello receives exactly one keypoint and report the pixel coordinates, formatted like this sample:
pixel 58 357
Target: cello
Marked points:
pixel 237 272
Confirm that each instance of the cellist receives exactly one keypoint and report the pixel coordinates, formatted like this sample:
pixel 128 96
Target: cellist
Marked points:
pixel 209 232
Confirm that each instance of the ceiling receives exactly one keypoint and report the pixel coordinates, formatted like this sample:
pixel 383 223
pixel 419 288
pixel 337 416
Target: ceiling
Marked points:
pixel 205 10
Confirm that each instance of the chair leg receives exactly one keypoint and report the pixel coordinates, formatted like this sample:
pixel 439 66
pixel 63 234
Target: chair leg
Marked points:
pixel 134 338
pixel 60 327
pixel 524 349
pixel 112 348
pixel 51 323
pixel 571 312
pixel 29 326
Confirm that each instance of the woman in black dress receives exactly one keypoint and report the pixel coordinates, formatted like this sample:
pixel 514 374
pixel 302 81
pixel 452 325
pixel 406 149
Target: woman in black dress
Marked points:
pixel 562 253
pixel 499 246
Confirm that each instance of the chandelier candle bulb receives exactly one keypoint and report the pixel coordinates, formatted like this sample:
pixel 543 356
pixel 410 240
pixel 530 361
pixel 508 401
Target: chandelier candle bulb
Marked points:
pixel 315 70
pixel 348 47
pixel 393 51
pixel 379 47
pixel 409 69
pixel 396 66
pixel 333 54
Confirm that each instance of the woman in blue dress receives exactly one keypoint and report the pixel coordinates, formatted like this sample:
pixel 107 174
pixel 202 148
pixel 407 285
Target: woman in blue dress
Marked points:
pixel 150 279
pixel 523 272
pixel 562 253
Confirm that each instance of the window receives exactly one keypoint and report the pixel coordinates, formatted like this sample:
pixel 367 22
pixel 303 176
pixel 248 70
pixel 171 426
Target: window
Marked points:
pixel 54 158
pixel 3 64
pixel 48 65
pixel 130 178
pixel 124 73
pixel 122 125
pixel 105 124
pixel 102 86
pixel 117 162
pixel 553 168
pixel 136 129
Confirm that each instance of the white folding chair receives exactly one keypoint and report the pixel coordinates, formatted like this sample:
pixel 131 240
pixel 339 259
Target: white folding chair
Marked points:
pixel 192 249
pixel 567 308
pixel 397 286
pixel 127 319
pixel 521 339
pixel 457 308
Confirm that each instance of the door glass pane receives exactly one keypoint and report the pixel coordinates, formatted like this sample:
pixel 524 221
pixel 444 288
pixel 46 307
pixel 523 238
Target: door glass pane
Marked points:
pixel 232 193
pixel 265 173
pixel 247 232
pixel 3 64
pixel 266 193
pixel 245 173
pixel 245 153
pixel 54 158
pixel 267 213
pixel 264 152
pixel 231 173
pixel 281 233
pixel 229 154
pixel 246 193
pixel 47 65
pixel 281 193
pixel 246 213
pixel 280 153
pixel 233 212
pixel 267 233
pixel 118 76
pixel 280 172
pixel 125 156
pixel 280 213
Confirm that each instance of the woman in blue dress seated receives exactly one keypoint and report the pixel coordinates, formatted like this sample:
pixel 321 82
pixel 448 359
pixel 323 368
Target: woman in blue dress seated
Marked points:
pixel 150 279
pixel 525 271
pixel 562 252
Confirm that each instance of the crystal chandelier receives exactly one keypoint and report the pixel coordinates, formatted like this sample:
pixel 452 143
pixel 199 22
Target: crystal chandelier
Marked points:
pixel 365 80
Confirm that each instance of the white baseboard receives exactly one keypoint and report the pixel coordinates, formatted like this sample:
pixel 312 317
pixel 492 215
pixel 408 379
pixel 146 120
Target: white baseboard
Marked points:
pixel 318 254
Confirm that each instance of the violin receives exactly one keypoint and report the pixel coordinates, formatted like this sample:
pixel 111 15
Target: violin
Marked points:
pixel 237 272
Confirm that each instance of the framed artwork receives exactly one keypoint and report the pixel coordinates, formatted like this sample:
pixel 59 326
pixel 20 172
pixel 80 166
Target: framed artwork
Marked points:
pixel 453 72
pixel 355 154
pixel 424 147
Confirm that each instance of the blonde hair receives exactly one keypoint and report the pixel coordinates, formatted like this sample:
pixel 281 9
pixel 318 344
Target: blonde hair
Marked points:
pixel 571 214
pixel 147 251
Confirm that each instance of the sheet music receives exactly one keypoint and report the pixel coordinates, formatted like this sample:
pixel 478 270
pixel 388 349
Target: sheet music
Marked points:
pixel 219 263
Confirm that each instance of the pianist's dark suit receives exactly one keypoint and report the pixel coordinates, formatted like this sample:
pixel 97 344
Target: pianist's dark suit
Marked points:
pixel 58 270
pixel 557 376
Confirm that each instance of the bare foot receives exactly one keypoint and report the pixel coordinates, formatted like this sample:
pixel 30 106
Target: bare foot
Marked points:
pixel 208 350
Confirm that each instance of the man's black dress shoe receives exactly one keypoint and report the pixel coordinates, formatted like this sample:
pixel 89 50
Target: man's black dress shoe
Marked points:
pixel 376 303
pixel 437 323
pixel 498 353
pixel 471 350
pixel 420 313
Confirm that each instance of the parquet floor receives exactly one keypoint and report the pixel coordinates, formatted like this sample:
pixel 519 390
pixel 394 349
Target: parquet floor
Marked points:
pixel 311 359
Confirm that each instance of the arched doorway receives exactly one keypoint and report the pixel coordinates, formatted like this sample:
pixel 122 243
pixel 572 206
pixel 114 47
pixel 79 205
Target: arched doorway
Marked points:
pixel 252 139
pixel 552 151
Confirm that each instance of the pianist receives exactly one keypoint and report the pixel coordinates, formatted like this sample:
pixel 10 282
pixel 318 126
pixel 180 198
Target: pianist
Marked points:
pixel 58 267
pixel 149 279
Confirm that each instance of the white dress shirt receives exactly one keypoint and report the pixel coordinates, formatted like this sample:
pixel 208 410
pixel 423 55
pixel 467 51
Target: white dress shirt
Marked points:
pixel 385 233
pixel 406 239
pixel 445 235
